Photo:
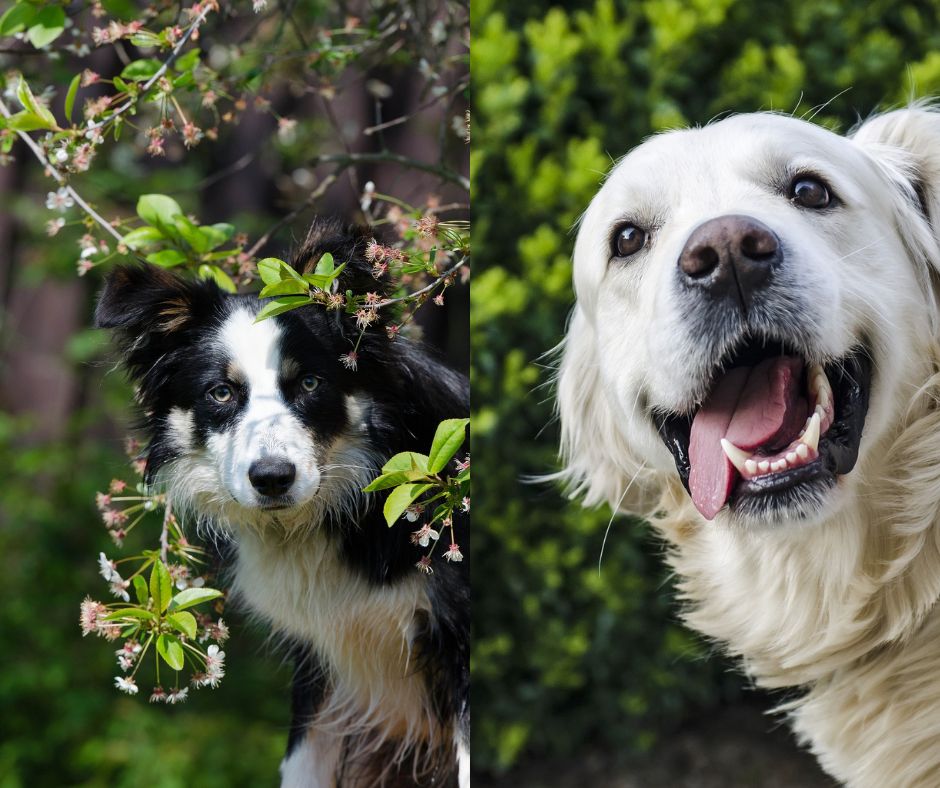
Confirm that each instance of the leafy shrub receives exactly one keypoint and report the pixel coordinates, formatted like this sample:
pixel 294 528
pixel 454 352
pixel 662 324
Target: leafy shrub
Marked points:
pixel 566 656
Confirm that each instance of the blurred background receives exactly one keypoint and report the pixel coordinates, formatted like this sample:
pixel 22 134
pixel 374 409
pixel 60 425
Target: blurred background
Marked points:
pixel 583 675
pixel 312 99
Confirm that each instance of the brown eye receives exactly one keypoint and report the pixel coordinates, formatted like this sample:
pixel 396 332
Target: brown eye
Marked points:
pixel 222 393
pixel 629 240
pixel 309 383
pixel 810 193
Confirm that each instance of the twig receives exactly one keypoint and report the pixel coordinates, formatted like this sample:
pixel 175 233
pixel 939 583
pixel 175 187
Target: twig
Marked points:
pixel 369 131
pixel 165 532
pixel 315 195
pixel 444 173
pixel 159 73
pixel 60 179
pixel 452 270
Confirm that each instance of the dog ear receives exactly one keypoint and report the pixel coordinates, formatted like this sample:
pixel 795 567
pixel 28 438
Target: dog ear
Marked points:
pixel 598 462
pixel 144 299
pixel 905 145
pixel 153 312
pixel 349 244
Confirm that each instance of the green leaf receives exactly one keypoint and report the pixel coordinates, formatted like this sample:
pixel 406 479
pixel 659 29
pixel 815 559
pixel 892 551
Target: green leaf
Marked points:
pixel 278 306
pixel 406 461
pixel 141 70
pixel 70 96
pixel 144 38
pixel 323 281
pixel 217 275
pixel 193 596
pixel 142 236
pixel 269 270
pixel 387 480
pixel 170 648
pixel 131 612
pixel 447 440
pixel 191 233
pixel 167 258
pixel 184 622
pixel 28 100
pixel 17 18
pixel 140 589
pixel 27 121
pixel 325 265
pixel 161 587
pixel 158 210
pixel 400 499
pixel 217 234
pixel 47 26
pixel 284 287
pixel 188 61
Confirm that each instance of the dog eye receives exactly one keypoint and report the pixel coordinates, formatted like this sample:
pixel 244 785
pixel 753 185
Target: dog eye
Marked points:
pixel 810 193
pixel 309 383
pixel 629 240
pixel 222 393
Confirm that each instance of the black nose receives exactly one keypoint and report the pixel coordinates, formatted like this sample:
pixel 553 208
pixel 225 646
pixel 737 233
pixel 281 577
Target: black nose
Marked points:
pixel 730 257
pixel 272 476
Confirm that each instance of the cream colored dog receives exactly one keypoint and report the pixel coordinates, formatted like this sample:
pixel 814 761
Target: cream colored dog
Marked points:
pixel 753 362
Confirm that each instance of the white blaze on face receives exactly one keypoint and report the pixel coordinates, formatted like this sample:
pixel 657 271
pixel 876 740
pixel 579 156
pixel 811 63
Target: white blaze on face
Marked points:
pixel 265 428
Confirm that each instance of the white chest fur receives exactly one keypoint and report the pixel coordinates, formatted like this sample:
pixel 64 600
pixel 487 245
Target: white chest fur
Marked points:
pixel 362 634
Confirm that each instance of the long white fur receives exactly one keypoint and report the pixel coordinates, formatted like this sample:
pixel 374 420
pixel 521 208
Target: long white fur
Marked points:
pixel 291 574
pixel 842 606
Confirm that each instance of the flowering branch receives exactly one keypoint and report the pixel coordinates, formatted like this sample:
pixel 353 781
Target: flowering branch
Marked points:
pixel 174 54
pixel 60 179
pixel 418 293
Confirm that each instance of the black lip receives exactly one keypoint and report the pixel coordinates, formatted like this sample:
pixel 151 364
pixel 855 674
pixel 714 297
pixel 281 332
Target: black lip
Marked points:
pixel 850 378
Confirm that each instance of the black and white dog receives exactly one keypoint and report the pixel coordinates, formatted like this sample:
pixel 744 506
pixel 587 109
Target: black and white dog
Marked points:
pixel 261 432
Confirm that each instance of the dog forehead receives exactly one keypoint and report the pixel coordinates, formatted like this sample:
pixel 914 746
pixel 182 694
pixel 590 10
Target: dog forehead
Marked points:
pixel 743 149
pixel 253 349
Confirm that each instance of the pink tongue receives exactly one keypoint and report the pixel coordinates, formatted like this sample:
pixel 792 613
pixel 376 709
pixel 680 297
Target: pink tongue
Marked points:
pixel 752 407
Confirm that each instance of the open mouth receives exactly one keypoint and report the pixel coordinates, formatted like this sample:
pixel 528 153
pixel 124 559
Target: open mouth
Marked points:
pixel 773 433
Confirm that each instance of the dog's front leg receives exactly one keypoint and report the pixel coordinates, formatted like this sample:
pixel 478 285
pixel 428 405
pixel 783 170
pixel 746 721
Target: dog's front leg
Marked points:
pixel 314 761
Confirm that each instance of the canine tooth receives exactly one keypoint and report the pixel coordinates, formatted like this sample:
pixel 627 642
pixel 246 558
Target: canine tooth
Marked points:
pixel 751 467
pixel 791 457
pixel 819 410
pixel 802 451
pixel 811 436
pixel 737 456
pixel 764 466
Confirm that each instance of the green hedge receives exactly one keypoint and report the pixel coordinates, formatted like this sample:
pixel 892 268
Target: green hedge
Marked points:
pixel 566 656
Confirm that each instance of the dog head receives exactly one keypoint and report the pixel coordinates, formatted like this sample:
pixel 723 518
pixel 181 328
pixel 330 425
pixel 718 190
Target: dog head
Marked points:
pixel 755 311
pixel 251 422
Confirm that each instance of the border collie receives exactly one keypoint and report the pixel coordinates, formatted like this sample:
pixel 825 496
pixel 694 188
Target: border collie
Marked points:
pixel 754 361
pixel 262 433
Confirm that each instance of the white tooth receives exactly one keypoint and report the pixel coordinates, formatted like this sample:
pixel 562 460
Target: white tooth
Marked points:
pixel 751 467
pixel 779 465
pixel 737 456
pixel 802 451
pixel 811 436
pixel 791 457
pixel 764 466
pixel 819 411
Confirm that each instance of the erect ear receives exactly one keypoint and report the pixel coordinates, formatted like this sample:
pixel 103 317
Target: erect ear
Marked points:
pixel 348 243
pixel 905 145
pixel 153 311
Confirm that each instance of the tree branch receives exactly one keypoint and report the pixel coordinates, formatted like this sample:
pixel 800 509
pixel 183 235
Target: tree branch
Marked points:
pixel 60 179
pixel 444 173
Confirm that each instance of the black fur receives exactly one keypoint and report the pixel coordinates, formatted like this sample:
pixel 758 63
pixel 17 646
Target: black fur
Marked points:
pixel 163 325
